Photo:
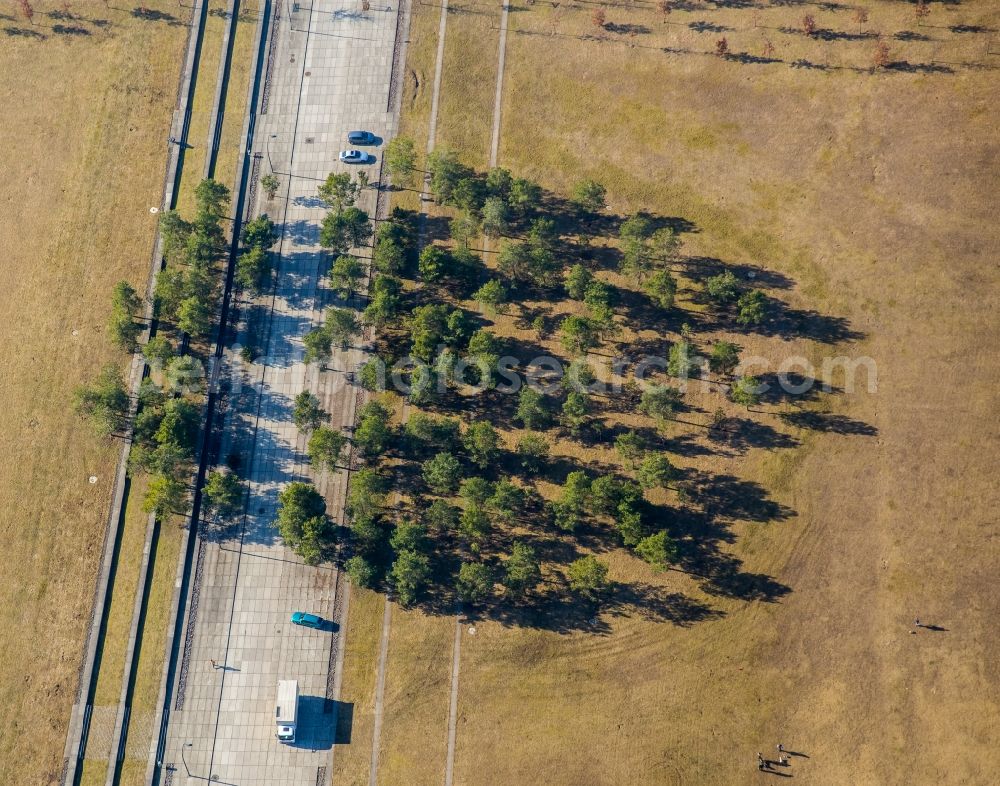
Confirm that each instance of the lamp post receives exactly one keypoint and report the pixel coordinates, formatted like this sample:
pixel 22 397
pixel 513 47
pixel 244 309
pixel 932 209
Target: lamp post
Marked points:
pixel 186 768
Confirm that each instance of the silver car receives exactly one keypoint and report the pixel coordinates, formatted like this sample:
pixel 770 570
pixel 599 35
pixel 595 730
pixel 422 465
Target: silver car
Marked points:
pixel 356 157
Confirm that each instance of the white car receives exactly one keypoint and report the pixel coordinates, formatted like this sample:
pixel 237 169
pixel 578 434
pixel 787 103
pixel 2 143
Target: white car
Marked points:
pixel 356 157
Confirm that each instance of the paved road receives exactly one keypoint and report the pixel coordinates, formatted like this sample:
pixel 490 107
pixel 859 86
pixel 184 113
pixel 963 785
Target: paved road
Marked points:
pixel 332 70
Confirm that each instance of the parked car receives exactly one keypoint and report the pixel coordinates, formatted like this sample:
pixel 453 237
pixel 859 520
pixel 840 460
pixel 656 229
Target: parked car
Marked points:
pixel 356 157
pixel 307 620
pixel 361 138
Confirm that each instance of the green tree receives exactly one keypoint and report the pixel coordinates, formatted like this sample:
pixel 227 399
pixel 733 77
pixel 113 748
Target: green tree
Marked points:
pixel 660 402
pixel 662 288
pixel 628 522
pixel 441 433
pixel 371 374
pixel 427 328
pixel 482 443
pixel 174 231
pixel 302 520
pixel 630 446
pixel 433 264
pixel 588 576
pixel 341 324
pixel 442 473
pixel 253 270
pixel 723 288
pixel 533 450
pixel 441 516
pixel 578 278
pixel 169 291
pixel 360 571
pixel 180 425
pixel 410 573
pixel 307 412
pixel 125 303
pixel 521 570
pixel 745 391
pixel 577 334
pixel 463 229
pixel 476 491
pixel 605 494
pixel 507 500
pixel 531 408
pixel 751 308
pixel 499 182
pixel 525 196
pixel 401 160
pixel 659 550
pixel 326 447
pixel 589 195
pixel 389 257
pixel 194 316
pixel 184 374
pixel 259 233
pixel 373 433
pixel 575 411
pixel 318 345
pixel 494 218
pixel 270 184
pixel 492 297
pixel 579 376
pixel 105 402
pixel 474 525
pixel 384 306
pixel 212 199
pixel 682 361
pixel 656 471
pixel 342 231
pixel 338 191
pixel 475 582
pixel 724 357
pixel 576 492
pixel 164 495
pixel 365 496
pixel 345 275
pixel 158 351
pixel 223 493
pixel 446 173
pixel 408 536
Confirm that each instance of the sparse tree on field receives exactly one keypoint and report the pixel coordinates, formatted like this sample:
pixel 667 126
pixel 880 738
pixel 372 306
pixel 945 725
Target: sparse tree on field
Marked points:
pixel 270 184
pixel 661 288
pixel 575 411
pixel 665 7
pixel 920 11
pixel 475 582
pixel 158 351
pixel 463 229
pixel 442 473
pixel 656 471
pixel 532 449
pixel 767 52
pixel 598 18
pixel 410 573
pixel 724 357
pixel 577 334
pixel 630 447
pixel 401 160
pixel 531 408
pixel 588 576
pixel 105 402
pixel 723 289
pixel 660 402
pixel 122 326
pixel 745 391
pixel 578 278
pixel 722 47
pixel 589 194
pixel 751 308
pixel 164 495
pixel 482 443
pixel 521 570
pixel 494 218
pixel 361 572
pixel 474 525
pixel 441 516
pixel 492 297
pixel 659 550
pixel 809 25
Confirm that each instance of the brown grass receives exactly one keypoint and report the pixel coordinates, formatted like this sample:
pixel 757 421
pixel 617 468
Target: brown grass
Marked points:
pixel 84 157
pixel 871 192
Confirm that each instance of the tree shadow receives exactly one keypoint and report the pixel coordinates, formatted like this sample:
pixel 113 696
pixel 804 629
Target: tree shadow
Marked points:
pixel 23 32
pixel 153 15
pixel 829 422
pixel 920 68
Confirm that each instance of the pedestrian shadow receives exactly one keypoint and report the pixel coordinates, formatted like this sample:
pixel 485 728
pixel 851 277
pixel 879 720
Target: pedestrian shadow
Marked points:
pixel 936 628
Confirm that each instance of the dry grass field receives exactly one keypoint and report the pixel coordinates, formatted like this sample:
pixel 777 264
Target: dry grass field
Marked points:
pixel 863 199
pixel 88 105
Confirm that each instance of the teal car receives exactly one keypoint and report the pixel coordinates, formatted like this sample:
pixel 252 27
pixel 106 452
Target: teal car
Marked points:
pixel 307 620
